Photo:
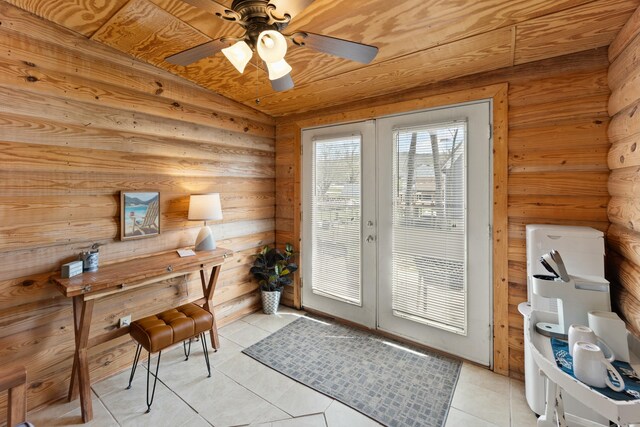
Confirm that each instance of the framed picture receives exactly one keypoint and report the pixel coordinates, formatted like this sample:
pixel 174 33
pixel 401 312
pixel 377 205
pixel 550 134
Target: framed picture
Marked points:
pixel 139 214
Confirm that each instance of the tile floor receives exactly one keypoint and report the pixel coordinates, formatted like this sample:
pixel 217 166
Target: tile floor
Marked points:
pixel 245 392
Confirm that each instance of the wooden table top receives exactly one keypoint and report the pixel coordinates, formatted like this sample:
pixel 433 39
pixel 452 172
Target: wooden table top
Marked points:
pixel 132 271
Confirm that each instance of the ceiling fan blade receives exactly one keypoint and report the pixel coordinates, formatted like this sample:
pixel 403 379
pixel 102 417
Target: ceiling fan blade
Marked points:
pixel 214 8
pixel 194 54
pixel 282 84
pixel 337 47
pixel 289 7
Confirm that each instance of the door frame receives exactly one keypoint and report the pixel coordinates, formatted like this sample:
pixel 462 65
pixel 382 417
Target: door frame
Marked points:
pixel 292 132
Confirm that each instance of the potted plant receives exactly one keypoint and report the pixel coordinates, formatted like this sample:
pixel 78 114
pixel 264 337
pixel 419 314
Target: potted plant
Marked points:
pixel 274 270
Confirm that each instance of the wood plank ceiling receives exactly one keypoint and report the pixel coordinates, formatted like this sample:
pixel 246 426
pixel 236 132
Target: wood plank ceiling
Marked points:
pixel 420 41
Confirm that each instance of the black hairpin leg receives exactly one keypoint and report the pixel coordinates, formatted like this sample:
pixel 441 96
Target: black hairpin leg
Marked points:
pixel 206 352
pixel 184 347
pixel 135 364
pixel 150 402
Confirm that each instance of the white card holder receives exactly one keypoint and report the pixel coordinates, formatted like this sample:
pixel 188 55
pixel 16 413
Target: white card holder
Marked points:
pixel 608 326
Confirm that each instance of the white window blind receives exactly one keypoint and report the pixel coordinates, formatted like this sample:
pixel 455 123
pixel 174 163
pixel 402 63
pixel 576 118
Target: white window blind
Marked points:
pixel 429 205
pixel 336 218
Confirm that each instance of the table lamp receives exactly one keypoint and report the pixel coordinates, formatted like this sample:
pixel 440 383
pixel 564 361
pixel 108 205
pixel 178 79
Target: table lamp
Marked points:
pixel 205 207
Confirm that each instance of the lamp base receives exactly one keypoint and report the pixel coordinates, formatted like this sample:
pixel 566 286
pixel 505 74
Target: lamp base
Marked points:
pixel 205 240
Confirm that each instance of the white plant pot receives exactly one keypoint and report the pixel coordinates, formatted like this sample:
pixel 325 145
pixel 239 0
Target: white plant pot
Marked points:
pixel 270 302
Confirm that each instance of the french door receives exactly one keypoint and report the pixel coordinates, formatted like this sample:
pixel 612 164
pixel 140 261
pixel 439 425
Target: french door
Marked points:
pixel 396 226
pixel 338 259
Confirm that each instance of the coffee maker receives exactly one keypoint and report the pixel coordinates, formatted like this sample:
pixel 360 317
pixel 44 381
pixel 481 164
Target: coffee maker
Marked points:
pixel 575 295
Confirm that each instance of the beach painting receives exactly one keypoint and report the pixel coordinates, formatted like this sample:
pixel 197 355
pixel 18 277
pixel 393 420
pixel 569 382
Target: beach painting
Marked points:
pixel 139 214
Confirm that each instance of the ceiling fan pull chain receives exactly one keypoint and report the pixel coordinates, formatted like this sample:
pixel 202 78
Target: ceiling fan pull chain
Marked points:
pixel 257 81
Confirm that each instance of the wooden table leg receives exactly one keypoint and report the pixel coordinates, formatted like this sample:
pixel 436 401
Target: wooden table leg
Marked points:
pixel 14 379
pixel 77 314
pixel 17 405
pixel 208 289
pixel 80 382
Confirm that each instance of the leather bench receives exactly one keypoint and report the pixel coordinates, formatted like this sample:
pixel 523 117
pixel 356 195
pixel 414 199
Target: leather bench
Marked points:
pixel 156 333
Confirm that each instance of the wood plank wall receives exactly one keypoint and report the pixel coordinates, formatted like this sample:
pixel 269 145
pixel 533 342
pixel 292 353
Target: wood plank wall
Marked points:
pixel 623 239
pixel 557 157
pixel 78 123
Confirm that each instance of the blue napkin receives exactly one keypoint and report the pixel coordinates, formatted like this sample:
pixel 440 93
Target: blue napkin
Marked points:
pixel 631 381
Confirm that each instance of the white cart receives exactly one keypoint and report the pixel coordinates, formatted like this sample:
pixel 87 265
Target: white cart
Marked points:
pixel 559 384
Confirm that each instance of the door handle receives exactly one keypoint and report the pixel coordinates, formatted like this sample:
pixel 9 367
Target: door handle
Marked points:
pixel 371 238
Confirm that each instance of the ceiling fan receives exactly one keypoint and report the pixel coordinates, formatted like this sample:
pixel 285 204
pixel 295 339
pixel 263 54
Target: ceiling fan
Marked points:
pixel 263 22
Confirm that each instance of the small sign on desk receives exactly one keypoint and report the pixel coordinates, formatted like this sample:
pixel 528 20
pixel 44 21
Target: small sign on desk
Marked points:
pixel 185 252
pixel 71 269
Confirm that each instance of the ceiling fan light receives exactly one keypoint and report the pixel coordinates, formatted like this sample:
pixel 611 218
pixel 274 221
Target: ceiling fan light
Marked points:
pixel 278 69
pixel 239 55
pixel 272 46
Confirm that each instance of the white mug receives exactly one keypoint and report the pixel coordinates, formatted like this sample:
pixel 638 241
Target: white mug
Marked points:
pixel 590 367
pixel 586 334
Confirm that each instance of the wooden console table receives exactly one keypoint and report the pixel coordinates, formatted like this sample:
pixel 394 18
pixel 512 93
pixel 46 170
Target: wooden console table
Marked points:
pixel 119 277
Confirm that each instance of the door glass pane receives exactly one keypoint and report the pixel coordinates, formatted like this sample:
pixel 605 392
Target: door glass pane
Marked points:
pixel 335 214
pixel 429 205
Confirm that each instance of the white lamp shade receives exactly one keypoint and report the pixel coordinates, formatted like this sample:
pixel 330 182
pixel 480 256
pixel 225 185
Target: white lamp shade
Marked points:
pixel 272 46
pixel 278 69
pixel 205 207
pixel 239 55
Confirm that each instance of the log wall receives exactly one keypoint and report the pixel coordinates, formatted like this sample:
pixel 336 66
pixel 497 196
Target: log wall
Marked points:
pixel 80 122
pixel 623 239
pixel 557 160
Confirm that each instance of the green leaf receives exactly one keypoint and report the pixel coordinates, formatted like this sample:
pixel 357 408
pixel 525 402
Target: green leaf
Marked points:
pixel 292 267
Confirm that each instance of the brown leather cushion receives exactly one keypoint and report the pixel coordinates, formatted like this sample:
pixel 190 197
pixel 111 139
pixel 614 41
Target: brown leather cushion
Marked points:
pixel 158 332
